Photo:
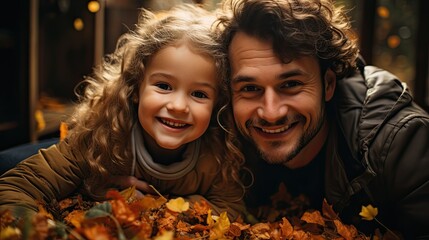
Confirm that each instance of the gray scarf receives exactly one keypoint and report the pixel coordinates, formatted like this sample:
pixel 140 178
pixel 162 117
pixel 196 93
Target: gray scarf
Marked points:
pixel 164 172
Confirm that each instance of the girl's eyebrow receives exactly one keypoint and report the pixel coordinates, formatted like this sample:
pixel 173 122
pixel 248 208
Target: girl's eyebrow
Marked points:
pixel 170 76
pixel 206 84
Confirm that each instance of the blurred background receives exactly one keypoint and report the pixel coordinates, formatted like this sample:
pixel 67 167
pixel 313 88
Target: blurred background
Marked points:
pixel 48 46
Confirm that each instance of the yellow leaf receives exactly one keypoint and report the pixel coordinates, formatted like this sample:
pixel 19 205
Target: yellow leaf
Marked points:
pixel 210 220
pixel 167 235
pixel 10 233
pixel 178 205
pixel 221 227
pixel 368 213
pixel 128 193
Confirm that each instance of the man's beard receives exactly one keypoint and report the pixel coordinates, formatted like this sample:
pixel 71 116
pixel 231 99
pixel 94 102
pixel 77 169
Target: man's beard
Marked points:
pixel 275 157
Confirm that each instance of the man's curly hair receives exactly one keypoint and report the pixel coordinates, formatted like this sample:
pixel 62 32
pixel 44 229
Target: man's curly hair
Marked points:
pixel 296 28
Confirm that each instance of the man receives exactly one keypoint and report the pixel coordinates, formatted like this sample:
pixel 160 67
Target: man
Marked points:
pixel 323 123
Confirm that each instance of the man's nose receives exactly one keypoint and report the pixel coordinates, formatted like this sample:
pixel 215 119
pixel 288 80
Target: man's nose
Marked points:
pixel 272 108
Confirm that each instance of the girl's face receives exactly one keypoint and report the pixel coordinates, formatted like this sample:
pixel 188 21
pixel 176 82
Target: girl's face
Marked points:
pixel 177 96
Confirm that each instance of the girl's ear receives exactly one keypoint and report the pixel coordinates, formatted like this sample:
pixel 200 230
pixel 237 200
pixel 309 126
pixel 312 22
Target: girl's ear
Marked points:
pixel 330 83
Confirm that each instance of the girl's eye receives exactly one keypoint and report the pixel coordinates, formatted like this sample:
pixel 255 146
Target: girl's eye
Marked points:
pixel 163 86
pixel 199 94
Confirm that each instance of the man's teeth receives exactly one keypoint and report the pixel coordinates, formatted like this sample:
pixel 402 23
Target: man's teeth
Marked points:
pixel 173 124
pixel 278 130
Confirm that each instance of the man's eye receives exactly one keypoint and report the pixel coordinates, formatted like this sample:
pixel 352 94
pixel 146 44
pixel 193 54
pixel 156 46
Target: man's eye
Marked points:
pixel 199 94
pixel 163 86
pixel 291 84
pixel 249 89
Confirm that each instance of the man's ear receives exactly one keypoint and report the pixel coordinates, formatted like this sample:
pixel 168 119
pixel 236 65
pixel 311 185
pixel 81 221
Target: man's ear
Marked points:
pixel 330 83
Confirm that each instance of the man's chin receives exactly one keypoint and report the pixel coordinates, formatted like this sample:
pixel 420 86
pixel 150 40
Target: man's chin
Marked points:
pixel 274 155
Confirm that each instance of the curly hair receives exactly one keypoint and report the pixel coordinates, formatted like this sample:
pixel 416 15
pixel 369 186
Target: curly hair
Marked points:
pixel 108 99
pixel 296 28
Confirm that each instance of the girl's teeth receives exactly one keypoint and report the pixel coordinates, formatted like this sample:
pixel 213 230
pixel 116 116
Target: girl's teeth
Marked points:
pixel 173 124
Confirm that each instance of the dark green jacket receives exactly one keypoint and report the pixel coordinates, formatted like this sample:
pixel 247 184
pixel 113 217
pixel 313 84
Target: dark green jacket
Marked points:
pixel 384 159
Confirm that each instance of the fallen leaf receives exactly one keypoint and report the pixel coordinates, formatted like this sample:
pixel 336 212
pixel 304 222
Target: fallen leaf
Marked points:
pixel 177 205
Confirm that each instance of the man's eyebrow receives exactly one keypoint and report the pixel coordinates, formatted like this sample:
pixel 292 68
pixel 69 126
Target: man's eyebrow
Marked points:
pixel 241 78
pixel 289 74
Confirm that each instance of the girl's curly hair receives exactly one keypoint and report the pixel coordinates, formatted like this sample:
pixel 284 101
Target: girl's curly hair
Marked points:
pixel 101 125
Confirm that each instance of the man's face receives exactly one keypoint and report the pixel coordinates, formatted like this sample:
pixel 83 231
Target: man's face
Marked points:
pixel 279 106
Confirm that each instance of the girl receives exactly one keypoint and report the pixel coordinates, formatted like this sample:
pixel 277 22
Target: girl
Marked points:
pixel 146 111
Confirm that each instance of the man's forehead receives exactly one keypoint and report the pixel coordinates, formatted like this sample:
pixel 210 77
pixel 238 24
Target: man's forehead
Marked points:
pixel 246 50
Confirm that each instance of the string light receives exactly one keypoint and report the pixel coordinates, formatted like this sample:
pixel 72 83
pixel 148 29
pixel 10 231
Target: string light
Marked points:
pixel 78 24
pixel 93 6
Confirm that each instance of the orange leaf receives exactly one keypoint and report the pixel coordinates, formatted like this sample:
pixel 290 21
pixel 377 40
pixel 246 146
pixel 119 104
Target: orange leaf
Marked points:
pixel 42 211
pixel 260 230
pixel 75 218
pixel 301 235
pixel 346 232
pixel 63 130
pixel 146 203
pixel 122 212
pixel 182 227
pixel 166 223
pixel 201 207
pixel 313 217
pixel 97 232
pixel 286 228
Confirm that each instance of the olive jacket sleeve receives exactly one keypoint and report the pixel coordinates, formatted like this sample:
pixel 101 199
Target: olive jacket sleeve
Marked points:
pixel 52 173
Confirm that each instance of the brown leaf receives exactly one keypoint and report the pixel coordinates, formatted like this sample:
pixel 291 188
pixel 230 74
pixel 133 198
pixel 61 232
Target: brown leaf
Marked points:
pixel 282 195
pixel 234 230
pixel 65 203
pixel 40 226
pixel 328 211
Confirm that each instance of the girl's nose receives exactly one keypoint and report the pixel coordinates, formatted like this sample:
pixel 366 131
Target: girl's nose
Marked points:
pixel 178 103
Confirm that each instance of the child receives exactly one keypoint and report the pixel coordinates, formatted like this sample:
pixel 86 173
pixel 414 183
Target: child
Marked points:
pixel 145 112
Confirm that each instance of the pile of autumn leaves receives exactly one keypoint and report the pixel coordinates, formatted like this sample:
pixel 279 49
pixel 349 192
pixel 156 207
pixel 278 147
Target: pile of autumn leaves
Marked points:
pixel 155 217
